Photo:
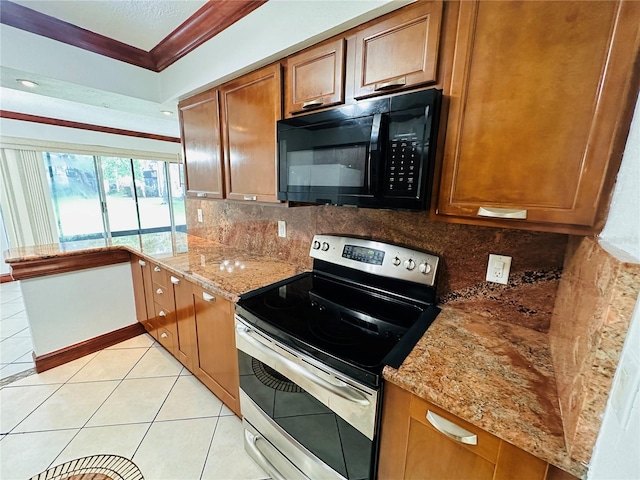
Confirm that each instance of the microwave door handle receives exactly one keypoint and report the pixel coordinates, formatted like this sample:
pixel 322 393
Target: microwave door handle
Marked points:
pixel 374 146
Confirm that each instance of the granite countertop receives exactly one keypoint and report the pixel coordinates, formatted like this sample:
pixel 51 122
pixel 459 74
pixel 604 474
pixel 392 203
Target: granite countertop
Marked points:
pixel 221 269
pixel 493 374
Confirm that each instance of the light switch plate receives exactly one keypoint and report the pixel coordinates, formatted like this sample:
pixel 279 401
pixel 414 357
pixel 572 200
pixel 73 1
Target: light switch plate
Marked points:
pixel 282 229
pixel 498 269
pixel 200 215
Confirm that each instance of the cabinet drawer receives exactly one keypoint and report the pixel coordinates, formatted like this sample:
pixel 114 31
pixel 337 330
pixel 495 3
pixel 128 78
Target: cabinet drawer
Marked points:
pixel 216 302
pixel 486 446
pixel 159 275
pixel 163 296
pixel 166 339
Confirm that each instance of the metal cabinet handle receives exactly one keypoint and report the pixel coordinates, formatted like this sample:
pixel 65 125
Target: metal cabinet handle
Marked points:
pixel 207 297
pixel 162 313
pixel 267 466
pixel 395 83
pixel 164 335
pixel 159 291
pixel 312 103
pixel 157 269
pixel 451 430
pixel 251 197
pixel 175 280
pixel 495 212
pixel 201 195
pixel 142 263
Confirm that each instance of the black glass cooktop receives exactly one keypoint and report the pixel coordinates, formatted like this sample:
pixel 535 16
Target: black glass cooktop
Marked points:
pixel 346 326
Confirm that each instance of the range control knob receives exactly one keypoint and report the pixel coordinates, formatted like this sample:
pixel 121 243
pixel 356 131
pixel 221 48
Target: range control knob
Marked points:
pixel 409 264
pixel 316 245
pixel 396 261
pixel 325 246
pixel 425 268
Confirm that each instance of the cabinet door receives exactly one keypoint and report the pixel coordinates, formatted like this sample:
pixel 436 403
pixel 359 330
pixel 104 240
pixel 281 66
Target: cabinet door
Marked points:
pixel 186 348
pixel 315 77
pixel 540 103
pixel 251 106
pixel 143 294
pixel 217 364
pixel 201 146
pixel 400 51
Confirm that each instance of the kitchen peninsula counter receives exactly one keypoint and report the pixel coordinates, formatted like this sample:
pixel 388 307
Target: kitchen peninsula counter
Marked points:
pixel 493 374
pixel 219 268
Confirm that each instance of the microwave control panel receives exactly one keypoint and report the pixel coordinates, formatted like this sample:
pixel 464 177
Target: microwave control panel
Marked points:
pixel 403 168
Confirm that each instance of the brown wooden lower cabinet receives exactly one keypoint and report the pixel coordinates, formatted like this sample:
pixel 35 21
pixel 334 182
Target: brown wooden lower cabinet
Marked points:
pixel 195 326
pixel 412 448
pixel 217 365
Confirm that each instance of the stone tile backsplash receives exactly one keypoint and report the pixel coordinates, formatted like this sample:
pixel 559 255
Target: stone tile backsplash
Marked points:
pixel 464 250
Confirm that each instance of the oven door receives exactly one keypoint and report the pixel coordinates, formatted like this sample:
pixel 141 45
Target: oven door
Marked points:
pixel 303 414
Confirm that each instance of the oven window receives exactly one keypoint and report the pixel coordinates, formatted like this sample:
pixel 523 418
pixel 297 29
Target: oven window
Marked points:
pixel 332 155
pixel 310 422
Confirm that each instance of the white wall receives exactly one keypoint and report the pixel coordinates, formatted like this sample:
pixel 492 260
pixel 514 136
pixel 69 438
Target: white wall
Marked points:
pixel 69 308
pixel 617 451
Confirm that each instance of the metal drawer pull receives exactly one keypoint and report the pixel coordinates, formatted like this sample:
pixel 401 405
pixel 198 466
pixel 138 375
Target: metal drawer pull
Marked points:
pixel 502 213
pixel 175 280
pixel 142 263
pixel 164 335
pixel 262 460
pixel 451 430
pixel 342 391
pixel 312 103
pixel 395 83
pixel 251 197
pixel 208 298
pixel 201 195
pixel 162 313
pixel 157 269
pixel 159 291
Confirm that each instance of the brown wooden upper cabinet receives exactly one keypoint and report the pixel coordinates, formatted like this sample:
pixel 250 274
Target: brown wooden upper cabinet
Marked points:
pixel 315 77
pixel 400 51
pixel 251 106
pixel 201 145
pixel 540 101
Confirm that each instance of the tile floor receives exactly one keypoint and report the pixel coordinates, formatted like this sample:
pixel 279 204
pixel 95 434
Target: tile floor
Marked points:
pixel 133 399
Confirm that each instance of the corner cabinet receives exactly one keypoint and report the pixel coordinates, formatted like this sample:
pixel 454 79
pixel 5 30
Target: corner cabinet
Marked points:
pixel 420 440
pixel 201 145
pixel 400 51
pixel 541 96
pixel 251 106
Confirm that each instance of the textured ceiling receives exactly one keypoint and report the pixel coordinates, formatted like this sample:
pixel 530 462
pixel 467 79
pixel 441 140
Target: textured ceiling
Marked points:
pixel 140 23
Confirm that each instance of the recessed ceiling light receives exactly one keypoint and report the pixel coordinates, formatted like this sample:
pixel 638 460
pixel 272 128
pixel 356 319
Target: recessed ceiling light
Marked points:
pixel 166 112
pixel 27 83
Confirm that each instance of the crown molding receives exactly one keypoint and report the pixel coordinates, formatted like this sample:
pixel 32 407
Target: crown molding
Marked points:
pixel 25 117
pixel 209 20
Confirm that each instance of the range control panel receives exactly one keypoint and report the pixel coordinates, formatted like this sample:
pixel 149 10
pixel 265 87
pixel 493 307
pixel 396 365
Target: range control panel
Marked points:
pixel 376 257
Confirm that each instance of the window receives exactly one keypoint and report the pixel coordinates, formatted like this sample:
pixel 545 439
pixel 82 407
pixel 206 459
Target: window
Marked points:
pixel 103 197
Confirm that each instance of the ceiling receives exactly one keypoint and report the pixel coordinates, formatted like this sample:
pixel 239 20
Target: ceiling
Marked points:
pixel 139 23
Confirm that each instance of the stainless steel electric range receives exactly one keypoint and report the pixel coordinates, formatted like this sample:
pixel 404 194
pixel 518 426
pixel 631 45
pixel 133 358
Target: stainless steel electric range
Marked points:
pixel 311 351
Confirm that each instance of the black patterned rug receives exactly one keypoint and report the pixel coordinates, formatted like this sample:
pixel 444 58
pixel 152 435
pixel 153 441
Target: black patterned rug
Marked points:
pixel 95 467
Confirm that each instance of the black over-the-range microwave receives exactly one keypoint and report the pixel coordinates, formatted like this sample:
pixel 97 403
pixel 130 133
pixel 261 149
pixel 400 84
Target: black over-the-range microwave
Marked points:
pixel 375 153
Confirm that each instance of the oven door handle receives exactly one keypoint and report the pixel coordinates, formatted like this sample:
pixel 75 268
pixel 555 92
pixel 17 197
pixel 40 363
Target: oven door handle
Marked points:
pixel 345 392
pixel 264 462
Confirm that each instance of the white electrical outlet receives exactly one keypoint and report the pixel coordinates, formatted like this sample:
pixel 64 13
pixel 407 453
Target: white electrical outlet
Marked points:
pixel 625 388
pixel 200 215
pixel 498 269
pixel 282 229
